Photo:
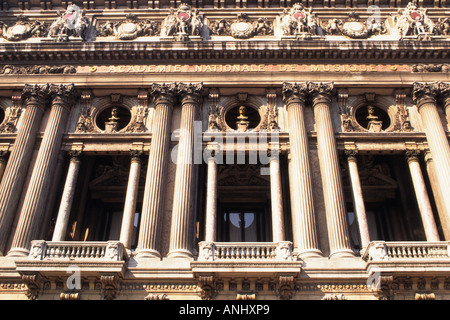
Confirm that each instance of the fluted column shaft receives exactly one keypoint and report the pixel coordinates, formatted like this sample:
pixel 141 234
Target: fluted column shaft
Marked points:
pixel 336 214
pixel 302 203
pixel 129 211
pixel 19 159
pixel 153 202
pixel 35 201
pixel 65 206
pixel 183 201
pixel 276 196
pixel 424 95
pixel 211 200
pixel 358 199
pixel 423 201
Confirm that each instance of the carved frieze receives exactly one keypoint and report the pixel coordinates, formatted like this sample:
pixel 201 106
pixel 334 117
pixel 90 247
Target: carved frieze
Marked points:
pixel 422 67
pixel 37 69
pixel 129 29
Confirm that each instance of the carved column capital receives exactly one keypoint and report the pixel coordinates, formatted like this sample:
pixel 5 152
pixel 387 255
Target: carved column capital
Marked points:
pixel 36 95
pixel 444 91
pixel 75 155
pixel 136 155
pixel 62 94
pixel 320 92
pixel 412 154
pixel 351 154
pixel 164 93
pixel 190 93
pixel 294 92
pixel 425 92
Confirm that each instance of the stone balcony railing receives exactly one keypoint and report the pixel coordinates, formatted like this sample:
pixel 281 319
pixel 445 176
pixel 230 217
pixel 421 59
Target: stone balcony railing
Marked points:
pixel 67 250
pixel 380 251
pixel 260 251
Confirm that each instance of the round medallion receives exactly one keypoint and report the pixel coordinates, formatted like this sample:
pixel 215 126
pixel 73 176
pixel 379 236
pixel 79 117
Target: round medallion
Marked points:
pixel 18 29
pixel 355 26
pixel 242 26
pixel 128 27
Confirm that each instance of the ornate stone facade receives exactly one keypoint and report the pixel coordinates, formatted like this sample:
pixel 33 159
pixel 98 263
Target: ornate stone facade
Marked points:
pixel 215 151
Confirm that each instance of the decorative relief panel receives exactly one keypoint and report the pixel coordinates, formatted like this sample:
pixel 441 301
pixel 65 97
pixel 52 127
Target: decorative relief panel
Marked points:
pixel 22 29
pixel 370 113
pixel 128 29
pixel 243 27
pixel 112 114
pixel 354 27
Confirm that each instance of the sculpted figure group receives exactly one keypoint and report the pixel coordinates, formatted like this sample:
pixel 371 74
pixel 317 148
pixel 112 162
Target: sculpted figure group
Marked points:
pixel 185 23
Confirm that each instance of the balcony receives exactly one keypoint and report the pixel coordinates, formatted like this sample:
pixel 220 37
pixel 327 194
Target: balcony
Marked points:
pixel 407 257
pixel 257 258
pixel 53 259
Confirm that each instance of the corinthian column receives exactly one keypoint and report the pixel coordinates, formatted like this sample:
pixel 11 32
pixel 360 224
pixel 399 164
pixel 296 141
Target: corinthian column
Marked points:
pixel 303 215
pixel 211 198
pixel 424 95
pixel 358 199
pixel 129 211
pixel 276 195
pixel 183 199
pixel 65 206
pixel 16 169
pixel 338 233
pixel 33 208
pixel 153 202
pixel 423 201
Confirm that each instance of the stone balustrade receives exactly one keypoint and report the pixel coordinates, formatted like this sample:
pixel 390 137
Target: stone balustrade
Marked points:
pixel 262 251
pixel 393 251
pixel 62 250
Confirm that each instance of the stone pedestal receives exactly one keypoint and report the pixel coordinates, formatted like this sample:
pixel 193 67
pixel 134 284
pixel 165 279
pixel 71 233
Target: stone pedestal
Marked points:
pixel 35 202
pixel 16 169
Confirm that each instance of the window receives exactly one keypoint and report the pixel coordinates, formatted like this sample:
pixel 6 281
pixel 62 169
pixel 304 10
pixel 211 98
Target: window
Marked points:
pixel 242 223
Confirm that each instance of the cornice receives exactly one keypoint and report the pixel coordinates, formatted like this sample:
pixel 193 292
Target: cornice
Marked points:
pixel 85 53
